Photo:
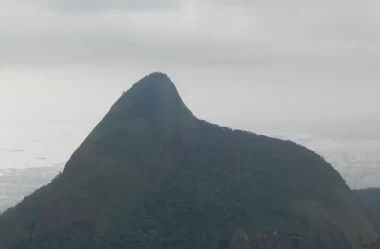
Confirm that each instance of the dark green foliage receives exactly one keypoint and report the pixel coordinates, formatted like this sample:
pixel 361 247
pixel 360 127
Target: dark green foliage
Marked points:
pixel 371 200
pixel 151 175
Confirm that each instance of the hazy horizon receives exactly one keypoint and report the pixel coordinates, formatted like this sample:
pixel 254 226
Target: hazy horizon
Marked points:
pixel 235 63
pixel 304 69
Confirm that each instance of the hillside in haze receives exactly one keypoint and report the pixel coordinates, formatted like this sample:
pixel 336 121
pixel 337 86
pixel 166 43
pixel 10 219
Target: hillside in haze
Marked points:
pixel 15 184
pixel 152 175
pixel 371 200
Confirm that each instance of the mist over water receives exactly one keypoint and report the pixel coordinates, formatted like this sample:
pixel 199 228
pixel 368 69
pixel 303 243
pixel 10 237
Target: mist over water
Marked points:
pixel 39 144
pixel 33 153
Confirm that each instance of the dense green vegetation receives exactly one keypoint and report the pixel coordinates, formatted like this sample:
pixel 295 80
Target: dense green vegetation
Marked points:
pixel 151 175
pixel 371 200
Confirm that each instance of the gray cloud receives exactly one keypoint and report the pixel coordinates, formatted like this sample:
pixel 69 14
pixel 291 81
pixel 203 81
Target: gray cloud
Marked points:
pixel 88 6
pixel 296 65
pixel 257 34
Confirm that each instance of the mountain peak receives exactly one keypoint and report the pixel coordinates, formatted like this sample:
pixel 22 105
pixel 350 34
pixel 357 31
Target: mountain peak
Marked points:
pixel 154 98
pixel 152 107
pixel 155 80
pixel 158 75
pixel 151 175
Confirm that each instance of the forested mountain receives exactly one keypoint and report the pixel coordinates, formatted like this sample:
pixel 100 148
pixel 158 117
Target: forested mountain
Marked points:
pixel 371 199
pixel 152 175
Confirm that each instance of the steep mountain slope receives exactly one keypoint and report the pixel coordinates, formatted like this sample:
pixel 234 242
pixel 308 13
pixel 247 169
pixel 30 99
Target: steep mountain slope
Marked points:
pixel 371 200
pixel 151 175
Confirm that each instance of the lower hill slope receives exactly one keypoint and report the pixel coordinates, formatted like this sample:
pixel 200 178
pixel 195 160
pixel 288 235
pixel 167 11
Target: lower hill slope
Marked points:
pixel 151 175
pixel 371 200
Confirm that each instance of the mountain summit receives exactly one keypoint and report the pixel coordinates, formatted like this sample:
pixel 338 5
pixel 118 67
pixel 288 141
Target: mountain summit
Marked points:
pixel 147 115
pixel 155 97
pixel 152 175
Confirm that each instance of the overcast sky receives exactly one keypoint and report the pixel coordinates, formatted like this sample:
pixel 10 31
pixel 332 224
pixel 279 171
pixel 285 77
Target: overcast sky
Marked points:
pixel 242 63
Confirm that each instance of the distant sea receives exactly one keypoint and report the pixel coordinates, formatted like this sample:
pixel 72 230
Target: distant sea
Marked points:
pixel 31 155
pixel 39 144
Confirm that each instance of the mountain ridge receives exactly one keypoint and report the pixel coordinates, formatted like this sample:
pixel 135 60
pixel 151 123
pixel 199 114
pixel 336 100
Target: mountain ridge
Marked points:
pixel 164 178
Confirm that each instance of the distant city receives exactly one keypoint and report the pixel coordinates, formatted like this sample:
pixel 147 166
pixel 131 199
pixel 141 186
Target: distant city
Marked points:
pixel 360 169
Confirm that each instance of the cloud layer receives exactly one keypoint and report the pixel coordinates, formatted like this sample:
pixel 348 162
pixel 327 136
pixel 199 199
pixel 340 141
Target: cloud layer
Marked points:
pixel 265 62
pixel 212 32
